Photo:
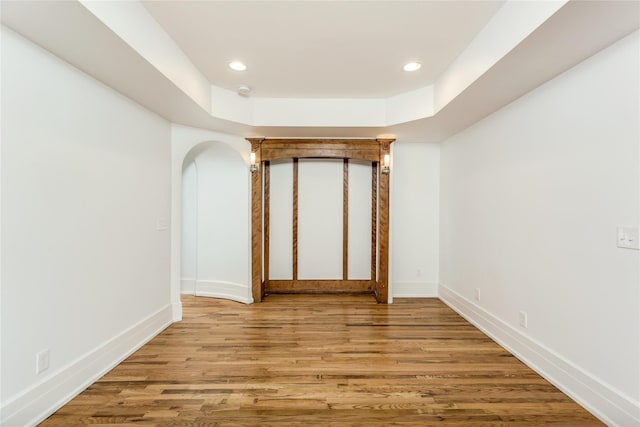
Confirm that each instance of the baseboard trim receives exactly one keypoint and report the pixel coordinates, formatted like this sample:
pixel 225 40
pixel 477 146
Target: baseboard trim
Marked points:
pixel 606 403
pixel 41 400
pixel 415 290
pixel 225 290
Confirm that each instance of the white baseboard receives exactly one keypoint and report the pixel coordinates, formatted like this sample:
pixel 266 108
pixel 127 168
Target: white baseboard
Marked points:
pixel 188 286
pixel 226 290
pixel 415 290
pixel 606 403
pixel 41 400
pixel 176 310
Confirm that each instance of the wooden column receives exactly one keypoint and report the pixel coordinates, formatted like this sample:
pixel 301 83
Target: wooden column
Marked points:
pixel 257 288
pixel 382 288
pixel 266 174
pixel 345 219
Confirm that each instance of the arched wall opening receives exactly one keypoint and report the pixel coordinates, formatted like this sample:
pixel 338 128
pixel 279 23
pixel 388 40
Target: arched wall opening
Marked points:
pixel 186 144
pixel 215 219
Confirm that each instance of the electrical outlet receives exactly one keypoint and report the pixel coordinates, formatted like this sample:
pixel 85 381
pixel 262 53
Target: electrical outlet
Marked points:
pixel 522 317
pixel 627 238
pixel 42 361
pixel 419 272
pixel 477 294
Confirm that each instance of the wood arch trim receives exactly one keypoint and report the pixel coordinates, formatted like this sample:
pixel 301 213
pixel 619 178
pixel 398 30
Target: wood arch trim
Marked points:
pixel 363 149
pixel 373 150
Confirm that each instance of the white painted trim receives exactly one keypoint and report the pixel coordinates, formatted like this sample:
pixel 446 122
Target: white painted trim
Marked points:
pixel 176 310
pixel 415 290
pixel 220 289
pixel 602 400
pixel 42 399
pixel 188 286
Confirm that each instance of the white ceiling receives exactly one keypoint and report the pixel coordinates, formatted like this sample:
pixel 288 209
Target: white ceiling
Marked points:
pixel 322 49
pixel 171 58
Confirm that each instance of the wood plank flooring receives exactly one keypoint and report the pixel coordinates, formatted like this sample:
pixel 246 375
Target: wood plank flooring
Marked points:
pixel 321 360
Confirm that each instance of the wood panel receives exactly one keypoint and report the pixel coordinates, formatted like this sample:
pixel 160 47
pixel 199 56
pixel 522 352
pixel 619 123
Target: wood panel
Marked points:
pixel 321 360
pixel 374 220
pixel 257 288
pixel 365 149
pixel 267 217
pixel 382 290
pixel 319 286
pixel 345 220
pixel 295 220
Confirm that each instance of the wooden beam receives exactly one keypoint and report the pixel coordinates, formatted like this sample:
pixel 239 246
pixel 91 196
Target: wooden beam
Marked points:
pixel 382 289
pixel 320 286
pixel 257 289
pixel 374 221
pixel 295 220
pixel 345 220
pixel 365 149
pixel 267 218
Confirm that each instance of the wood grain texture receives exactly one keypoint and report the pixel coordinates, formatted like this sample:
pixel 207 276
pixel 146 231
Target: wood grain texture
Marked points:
pixel 294 249
pixel 374 220
pixel 382 290
pixel 257 288
pixel 363 149
pixel 312 286
pixel 345 220
pixel 321 360
pixel 267 218
pixel 276 148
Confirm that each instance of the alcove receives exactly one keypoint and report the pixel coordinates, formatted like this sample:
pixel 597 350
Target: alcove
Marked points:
pixel 215 214
pixel 319 167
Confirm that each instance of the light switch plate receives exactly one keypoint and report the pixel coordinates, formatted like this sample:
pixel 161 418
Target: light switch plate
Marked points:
pixel 627 238
pixel 162 224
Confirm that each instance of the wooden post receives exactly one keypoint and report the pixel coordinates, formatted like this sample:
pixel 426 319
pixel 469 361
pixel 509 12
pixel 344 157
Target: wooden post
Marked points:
pixel 382 289
pixel 256 222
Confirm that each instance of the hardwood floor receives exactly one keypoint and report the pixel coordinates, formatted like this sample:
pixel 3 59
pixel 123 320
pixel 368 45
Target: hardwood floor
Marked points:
pixel 327 360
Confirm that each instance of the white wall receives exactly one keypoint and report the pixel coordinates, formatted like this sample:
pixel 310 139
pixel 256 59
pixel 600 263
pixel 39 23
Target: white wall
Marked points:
pixel 414 216
pixel 85 271
pixel 359 221
pixel 320 219
pixel 189 264
pixel 215 223
pixel 281 220
pixel 530 200
pixel 320 210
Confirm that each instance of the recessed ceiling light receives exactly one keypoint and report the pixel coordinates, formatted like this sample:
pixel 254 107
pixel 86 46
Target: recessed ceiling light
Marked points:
pixel 237 66
pixel 412 66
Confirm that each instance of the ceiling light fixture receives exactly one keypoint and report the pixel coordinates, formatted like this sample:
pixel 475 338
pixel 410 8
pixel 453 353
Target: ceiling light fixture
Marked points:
pixel 412 66
pixel 237 66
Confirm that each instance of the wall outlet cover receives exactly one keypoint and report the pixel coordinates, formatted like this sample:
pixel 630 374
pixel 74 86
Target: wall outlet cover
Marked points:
pixel 42 361
pixel 627 238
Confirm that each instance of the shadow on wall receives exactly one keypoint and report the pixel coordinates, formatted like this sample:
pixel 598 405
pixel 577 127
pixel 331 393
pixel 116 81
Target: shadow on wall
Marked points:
pixel 215 223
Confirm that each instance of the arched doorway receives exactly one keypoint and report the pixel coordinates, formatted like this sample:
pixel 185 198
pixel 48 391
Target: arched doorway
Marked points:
pixel 215 223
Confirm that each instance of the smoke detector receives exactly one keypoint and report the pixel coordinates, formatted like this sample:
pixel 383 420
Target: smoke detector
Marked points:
pixel 244 91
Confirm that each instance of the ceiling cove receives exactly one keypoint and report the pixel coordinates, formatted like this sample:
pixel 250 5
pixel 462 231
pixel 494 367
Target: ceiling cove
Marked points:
pixel 324 69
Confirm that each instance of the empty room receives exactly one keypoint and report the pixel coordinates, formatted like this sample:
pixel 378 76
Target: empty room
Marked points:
pixel 323 213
